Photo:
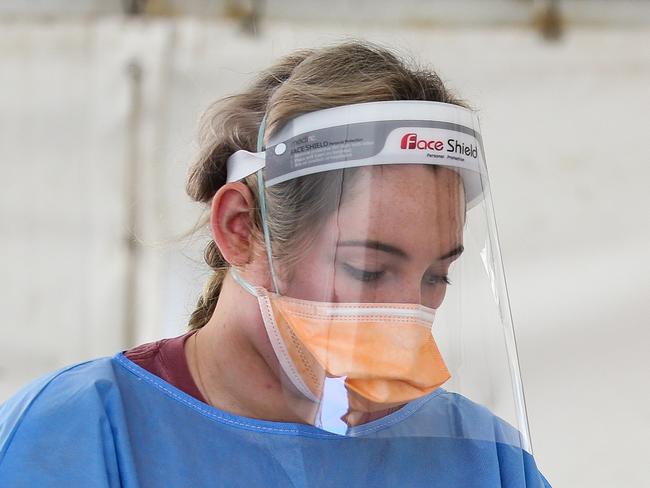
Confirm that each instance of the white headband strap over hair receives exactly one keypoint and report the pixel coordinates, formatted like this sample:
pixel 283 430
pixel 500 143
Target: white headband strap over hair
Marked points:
pixel 243 163
pixel 390 132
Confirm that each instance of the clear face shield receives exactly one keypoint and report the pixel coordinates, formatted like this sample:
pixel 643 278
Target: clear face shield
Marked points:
pixel 389 314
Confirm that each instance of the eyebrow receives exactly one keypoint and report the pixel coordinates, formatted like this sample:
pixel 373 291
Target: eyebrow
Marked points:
pixel 396 251
pixel 457 251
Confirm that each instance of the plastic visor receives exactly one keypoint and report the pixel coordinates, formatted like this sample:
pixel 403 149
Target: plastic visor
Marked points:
pixel 391 210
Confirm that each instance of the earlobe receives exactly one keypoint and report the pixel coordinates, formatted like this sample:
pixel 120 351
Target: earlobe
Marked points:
pixel 231 223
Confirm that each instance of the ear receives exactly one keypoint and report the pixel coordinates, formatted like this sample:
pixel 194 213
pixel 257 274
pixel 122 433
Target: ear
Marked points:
pixel 231 223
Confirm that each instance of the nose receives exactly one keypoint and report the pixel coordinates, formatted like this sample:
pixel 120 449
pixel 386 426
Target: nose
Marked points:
pixel 408 290
pixel 433 297
pixel 401 291
pixel 418 290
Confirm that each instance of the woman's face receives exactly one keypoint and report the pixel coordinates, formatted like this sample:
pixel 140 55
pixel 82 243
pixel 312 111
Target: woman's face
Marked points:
pixel 397 231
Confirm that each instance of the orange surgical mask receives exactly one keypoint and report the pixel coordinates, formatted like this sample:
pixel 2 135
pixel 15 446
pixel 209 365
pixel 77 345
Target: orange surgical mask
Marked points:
pixel 385 352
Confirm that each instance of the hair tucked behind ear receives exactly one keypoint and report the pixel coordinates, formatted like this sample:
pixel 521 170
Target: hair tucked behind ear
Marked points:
pixel 304 81
pixel 228 125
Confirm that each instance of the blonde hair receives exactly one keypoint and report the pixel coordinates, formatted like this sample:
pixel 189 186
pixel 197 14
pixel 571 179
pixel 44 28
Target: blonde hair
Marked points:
pixel 301 82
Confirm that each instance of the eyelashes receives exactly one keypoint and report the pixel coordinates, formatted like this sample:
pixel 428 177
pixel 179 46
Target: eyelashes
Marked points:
pixel 437 279
pixel 362 274
pixel 367 276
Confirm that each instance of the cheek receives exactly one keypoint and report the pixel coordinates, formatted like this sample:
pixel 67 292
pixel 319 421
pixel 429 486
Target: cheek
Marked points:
pixel 311 274
pixel 347 289
pixel 312 277
pixel 310 281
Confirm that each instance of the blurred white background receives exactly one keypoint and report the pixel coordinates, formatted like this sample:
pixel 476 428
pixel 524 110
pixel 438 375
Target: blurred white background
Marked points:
pixel 98 121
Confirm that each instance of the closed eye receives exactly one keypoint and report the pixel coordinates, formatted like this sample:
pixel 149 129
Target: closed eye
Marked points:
pixel 362 274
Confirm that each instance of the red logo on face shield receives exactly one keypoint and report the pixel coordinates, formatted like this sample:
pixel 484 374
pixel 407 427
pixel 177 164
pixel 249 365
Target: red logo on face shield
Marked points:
pixel 411 141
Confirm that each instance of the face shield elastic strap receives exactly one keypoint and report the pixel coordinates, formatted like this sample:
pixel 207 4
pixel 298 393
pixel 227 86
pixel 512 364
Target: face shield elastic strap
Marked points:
pixel 262 199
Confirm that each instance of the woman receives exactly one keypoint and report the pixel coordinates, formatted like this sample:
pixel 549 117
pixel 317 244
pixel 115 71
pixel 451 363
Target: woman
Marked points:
pixel 311 358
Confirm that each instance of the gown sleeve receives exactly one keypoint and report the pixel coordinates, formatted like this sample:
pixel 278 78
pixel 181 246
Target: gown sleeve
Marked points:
pixel 55 433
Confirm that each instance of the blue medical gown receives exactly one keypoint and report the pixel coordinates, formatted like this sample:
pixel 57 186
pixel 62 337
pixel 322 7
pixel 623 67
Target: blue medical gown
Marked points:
pixel 109 422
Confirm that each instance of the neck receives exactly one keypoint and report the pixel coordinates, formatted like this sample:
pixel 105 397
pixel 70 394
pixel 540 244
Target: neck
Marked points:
pixel 233 364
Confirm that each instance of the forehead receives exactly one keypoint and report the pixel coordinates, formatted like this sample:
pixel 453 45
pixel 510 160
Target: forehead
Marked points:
pixel 405 191
pixel 416 208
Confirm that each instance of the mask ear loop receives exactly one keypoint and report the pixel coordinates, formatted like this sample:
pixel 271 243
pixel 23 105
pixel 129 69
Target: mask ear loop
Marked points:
pixel 262 198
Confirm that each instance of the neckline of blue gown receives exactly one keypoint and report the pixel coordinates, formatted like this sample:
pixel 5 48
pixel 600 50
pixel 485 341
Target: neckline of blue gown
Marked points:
pixel 268 426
